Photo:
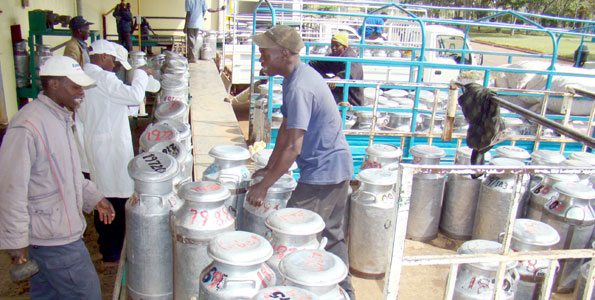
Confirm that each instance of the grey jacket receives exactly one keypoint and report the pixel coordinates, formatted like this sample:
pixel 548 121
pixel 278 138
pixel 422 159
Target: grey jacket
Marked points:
pixel 42 189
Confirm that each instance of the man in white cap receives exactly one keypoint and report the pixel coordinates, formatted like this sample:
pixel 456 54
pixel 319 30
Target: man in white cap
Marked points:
pixel 43 192
pixel 107 137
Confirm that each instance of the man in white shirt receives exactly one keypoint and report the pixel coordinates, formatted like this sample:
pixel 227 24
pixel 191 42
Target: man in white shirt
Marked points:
pixel 107 138
pixel 195 15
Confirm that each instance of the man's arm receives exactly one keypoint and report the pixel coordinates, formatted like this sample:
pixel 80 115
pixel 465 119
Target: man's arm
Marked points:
pixel 72 50
pixel 124 94
pixel 186 21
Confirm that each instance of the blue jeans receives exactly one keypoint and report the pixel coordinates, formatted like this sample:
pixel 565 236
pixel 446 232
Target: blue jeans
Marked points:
pixel 65 272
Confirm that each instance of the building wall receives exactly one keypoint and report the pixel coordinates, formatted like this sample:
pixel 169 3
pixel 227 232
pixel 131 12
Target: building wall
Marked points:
pixel 13 13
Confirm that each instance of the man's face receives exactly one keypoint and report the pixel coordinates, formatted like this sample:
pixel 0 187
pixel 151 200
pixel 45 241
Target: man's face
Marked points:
pixel 83 33
pixel 69 94
pixel 337 49
pixel 108 62
pixel 271 60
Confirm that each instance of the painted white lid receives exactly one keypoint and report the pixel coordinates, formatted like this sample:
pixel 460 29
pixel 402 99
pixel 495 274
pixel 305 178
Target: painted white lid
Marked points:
pixel 377 176
pixel 427 151
pixel 153 167
pixel 384 151
pixel 534 233
pixel 295 221
pixel 240 248
pixel 583 156
pixel 203 191
pixel 229 152
pixel 512 152
pixel 313 268
pixel 547 157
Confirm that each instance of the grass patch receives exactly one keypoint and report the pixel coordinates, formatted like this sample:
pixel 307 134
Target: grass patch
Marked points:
pixel 533 42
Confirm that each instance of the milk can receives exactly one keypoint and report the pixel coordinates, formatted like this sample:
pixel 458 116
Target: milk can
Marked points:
pixel 284 293
pixel 460 200
pixel 157 133
pixel 317 271
pixel 261 159
pixel 426 195
pixel 544 191
pixel 293 229
pixel 371 222
pixel 400 121
pixel 584 178
pixel 512 152
pixel 184 157
pixel 581 283
pixel 229 168
pixel 147 226
pixel 136 60
pixel 379 155
pixel 206 52
pixel 495 194
pixel 202 217
pixel 184 131
pixel 572 215
pixel 238 270
pixel 21 64
pixel 253 217
pixel 547 158
pixel 531 235
pixel 42 54
pixel 172 110
pixel 174 87
pixel 211 39
pixel 477 281
pixel 584 156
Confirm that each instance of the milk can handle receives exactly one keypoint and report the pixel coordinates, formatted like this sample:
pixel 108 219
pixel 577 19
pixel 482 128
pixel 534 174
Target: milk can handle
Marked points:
pixel 568 210
pixel 543 269
pixel 323 242
pixel 172 223
pixel 501 237
pixel 370 194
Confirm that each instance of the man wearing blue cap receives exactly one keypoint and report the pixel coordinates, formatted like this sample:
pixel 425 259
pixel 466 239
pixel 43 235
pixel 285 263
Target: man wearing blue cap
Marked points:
pixel 76 48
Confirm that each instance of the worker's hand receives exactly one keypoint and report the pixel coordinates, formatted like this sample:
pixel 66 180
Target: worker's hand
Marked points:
pixel 260 173
pixel 333 85
pixel 147 70
pixel 256 194
pixel 106 211
pixel 17 256
pixel 185 30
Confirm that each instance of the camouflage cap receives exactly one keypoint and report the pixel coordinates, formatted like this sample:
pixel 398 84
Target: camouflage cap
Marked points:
pixel 280 35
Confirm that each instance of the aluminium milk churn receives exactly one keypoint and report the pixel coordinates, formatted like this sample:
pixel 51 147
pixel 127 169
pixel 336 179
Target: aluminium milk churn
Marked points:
pixel 317 271
pixel 284 293
pixel 584 178
pixel 148 234
pixel 184 131
pixel 371 222
pixel 426 195
pixel 460 200
pixel 21 64
pixel 291 230
pixel 531 235
pixel 229 169
pixel 581 283
pixel 206 52
pixel 172 110
pixel 202 217
pixel 261 159
pixel 477 281
pixel 522 155
pixel 588 158
pixel 380 155
pixel 174 87
pixel 157 133
pixel 238 270
pixel 544 191
pixel 253 217
pixel 136 60
pixel 572 215
pixel 182 155
pixel 496 193
pixel 542 158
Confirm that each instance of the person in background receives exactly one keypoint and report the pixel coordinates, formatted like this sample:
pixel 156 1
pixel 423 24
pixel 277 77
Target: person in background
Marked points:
pixel 373 27
pixel 123 17
pixel 311 133
pixel 145 30
pixel 108 140
pixel 340 48
pixel 76 48
pixel 42 191
pixel 195 15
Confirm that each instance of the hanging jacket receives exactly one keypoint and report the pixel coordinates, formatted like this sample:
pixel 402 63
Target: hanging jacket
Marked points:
pixel 107 137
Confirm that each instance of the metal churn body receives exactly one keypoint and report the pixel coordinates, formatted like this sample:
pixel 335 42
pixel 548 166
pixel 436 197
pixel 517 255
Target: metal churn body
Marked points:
pixel 380 155
pixel 371 221
pixel 157 133
pixel 202 217
pixel 544 192
pixel 426 195
pixel 284 293
pixel 182 155
pixel 148 235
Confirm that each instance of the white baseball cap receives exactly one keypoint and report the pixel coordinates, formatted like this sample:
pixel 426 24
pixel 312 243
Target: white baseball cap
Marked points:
pixel 122 56
pixel 67 67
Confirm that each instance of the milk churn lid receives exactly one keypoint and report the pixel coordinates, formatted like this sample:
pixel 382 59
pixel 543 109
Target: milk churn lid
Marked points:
pixel 583 156
pixel 284 292
pixel 229 152
pixel 170 109
pixel 261 158
pixel 370 93
pixel 313 268
pixel 464 152
pixel 384 150
pixel 484 246
pixel 295 221
pixel 563 177
pixel 575 190
pixel 512 152
pixel 573 162
pixel 203 191
pixel 173 148
pixel 157 133
pixel 284 184
pixel 425 95
pixel 505 161
pixel 153 167
pixel 377 176
pixel 534 233
pixel 181 128
pixel 395 93
pixel 240 248
pixel 427 151
pixel 548 157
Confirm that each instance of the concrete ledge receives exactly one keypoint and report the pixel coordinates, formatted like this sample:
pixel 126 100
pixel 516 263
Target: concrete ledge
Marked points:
pixel 213 119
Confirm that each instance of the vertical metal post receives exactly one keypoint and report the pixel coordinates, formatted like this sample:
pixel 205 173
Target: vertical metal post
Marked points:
pixel 548 281
pixel 546 98
pixel 451 280
pixel 588 293
pixel 374 110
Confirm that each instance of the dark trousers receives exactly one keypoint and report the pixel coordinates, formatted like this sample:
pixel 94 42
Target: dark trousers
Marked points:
pixel 330 202
pixel 65 272
pixel 111 237
pixel 125 38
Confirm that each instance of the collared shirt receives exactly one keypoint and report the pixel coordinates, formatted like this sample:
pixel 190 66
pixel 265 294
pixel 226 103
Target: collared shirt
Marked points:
pixel 308 104
pixel 197 10
pixel 42 189
pixel 85 52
